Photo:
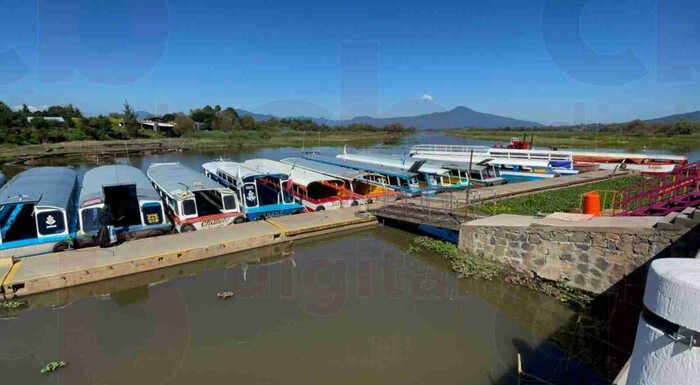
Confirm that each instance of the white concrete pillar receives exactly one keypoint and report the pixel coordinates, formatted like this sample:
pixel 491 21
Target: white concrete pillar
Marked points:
pixel 667 350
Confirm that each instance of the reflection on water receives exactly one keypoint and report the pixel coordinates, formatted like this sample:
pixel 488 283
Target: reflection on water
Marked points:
pixel 353 309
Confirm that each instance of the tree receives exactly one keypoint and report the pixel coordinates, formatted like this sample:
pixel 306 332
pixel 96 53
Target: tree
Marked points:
pixel 183 125
pixel 131 122
pixel 248 122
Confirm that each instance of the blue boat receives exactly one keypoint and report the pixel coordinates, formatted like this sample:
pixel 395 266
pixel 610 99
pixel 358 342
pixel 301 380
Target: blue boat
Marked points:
pixel 134 203
pixel 262 192
pixel 38 212
pixel 407 182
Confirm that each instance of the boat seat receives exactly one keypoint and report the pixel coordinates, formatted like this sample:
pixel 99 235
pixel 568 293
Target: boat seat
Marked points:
pixel 11 219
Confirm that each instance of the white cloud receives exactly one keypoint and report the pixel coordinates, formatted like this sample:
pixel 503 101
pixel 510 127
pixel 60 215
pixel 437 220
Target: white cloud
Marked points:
pixel 427 97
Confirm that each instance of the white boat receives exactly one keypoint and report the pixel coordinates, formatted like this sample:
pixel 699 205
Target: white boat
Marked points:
pixel 433 175
pixel 38 212
pixel 135 205
pixel 316 191
pixel 645 163
pixel 194 201
pixel 263 192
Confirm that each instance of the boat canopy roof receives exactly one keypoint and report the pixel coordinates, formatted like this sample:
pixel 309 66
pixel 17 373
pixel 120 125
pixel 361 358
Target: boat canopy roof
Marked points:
pixel 44 186
pixel 178 180
pixel 404 163
pixel 447 149
pixel 114 175
pixel 298 175
pixel 529 154
pixel 519 162
pixel 325 168
pixel 245 170
pixel 373 168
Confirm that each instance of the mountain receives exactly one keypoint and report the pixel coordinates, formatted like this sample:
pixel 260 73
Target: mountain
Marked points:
pixel 456 118
pixel 689 117
pixel 143 114
pixel 459 117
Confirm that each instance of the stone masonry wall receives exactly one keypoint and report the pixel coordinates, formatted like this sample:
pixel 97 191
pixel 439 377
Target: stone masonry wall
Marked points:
pixel 590 260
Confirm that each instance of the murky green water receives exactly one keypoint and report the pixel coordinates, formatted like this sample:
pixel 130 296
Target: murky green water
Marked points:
pixel 352 308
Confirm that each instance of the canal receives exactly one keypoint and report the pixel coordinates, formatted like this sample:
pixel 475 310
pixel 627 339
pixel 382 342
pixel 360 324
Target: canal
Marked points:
pixel 362 307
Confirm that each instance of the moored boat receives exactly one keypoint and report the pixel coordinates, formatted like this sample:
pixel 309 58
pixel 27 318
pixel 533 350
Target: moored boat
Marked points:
pixel 433 175
pixel 408 183
pixel 645 163
pixel 194 201
pixel 358 181
pixel 316 191
pixel 263 192
pixel 38 212
pixel 135 205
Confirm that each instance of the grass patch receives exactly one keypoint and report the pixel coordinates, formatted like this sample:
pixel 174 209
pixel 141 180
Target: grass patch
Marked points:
pixel 469 266
pixel 53 366
pixel 11 304
pixel 563 200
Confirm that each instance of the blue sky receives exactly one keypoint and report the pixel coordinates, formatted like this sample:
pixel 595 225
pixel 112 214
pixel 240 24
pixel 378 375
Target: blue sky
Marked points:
pixel 529 59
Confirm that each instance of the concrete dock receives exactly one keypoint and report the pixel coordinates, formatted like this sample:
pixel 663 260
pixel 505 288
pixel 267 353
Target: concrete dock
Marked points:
pixel 67 269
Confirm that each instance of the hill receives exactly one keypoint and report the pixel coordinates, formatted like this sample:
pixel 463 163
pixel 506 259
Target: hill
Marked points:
pixel 688 117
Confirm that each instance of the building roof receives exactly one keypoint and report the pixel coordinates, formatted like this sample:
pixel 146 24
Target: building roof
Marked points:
pixel 179 180
pixel 47 118
pixel 115 175
pixel 375 168
pixel 325 168
pixel 298 175
pixel 45 186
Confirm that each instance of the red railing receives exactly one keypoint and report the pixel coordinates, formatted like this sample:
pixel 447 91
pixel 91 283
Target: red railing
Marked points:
pixel 660 195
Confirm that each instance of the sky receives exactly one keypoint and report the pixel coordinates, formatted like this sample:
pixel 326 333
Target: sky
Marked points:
pixel 550 61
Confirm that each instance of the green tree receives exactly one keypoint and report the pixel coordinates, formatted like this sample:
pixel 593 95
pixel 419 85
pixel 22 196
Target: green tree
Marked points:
pixel 248 122
pixel 131 122
pixel 183 125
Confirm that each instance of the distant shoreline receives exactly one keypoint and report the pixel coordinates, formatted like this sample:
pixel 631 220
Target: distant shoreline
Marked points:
pixel 562 139
pixel 27 154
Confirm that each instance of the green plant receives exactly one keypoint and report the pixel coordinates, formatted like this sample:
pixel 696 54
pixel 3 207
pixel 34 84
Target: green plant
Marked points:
pixel 462 263
pixel 11 304
pixel 53 366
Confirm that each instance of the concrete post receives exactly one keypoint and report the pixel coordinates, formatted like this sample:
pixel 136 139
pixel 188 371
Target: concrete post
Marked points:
pixel 667 350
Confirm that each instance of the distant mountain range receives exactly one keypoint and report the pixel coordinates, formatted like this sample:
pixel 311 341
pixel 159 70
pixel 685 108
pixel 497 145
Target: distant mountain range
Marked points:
pixel 459 117
pixel 689 117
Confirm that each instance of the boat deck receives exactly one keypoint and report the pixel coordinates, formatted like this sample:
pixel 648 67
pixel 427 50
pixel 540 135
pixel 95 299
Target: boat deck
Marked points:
pixel 56 271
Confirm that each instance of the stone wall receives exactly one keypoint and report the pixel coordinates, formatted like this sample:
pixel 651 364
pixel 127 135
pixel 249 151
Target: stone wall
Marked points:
pixel 592 258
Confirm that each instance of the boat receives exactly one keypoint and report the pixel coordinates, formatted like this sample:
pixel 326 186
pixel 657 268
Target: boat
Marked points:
pixel 263 192
pixel 433 175
pixel 38 212
pixel 408 183
pixel 194 201
pixel 315 191
pixel 3 179
pixel 644 163
pixel 358 181
pixel 476 174
pixel 135 205
pixel 513 163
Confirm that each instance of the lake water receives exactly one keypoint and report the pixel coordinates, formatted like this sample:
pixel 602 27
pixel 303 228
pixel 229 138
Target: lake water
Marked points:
pixel 353 308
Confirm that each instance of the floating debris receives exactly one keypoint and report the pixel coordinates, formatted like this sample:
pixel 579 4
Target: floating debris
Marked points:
pixel 224 295
pixel 52 366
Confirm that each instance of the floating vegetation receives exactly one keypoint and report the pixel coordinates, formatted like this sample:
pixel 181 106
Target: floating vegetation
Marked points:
pixel 468 266
pixel 11 304
pixel 224 295
pixel 53 366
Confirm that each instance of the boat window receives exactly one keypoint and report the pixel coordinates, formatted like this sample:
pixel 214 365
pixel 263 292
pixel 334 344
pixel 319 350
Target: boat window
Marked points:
pixel 208 202
pixel 90 218
pixel 50 222
pixel 287 192
pixel 189 207
pixel 152 214
pixel 229 202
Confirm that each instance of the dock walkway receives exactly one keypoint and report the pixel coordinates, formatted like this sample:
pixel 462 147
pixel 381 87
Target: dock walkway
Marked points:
pixel 62 270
